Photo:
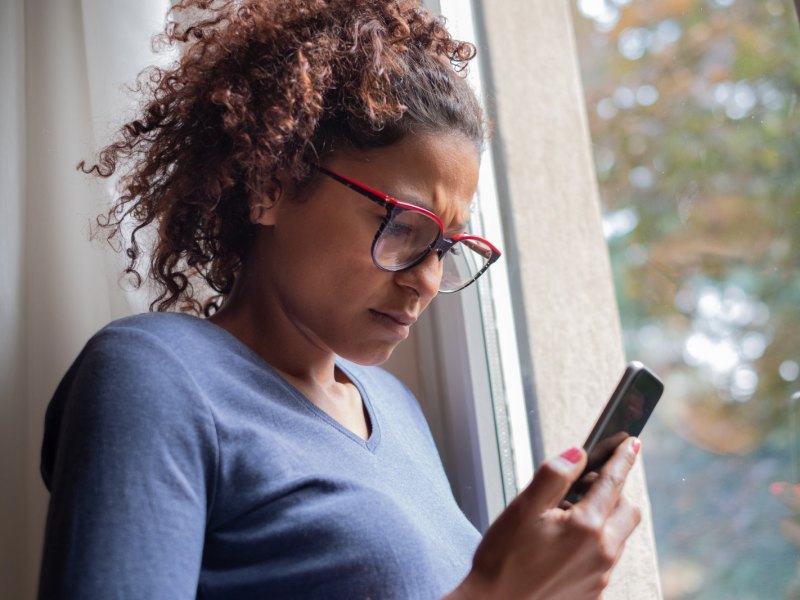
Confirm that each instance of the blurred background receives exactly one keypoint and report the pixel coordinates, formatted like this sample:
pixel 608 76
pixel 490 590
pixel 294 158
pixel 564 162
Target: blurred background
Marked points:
pixel 692 107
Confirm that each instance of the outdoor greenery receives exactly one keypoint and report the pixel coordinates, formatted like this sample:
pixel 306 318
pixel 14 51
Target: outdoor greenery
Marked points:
pixel 692 107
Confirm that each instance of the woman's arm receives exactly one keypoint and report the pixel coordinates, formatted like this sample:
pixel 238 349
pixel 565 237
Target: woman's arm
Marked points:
pixel 538 550
pixel 130 462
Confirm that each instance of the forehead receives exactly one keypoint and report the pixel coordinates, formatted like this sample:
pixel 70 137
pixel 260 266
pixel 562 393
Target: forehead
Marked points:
pixel 436 171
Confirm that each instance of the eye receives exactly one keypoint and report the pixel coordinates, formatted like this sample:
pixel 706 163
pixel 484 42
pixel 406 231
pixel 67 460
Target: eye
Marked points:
pixel 396 229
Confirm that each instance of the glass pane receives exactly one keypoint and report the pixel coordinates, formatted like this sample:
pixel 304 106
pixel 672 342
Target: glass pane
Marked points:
pixel 696 135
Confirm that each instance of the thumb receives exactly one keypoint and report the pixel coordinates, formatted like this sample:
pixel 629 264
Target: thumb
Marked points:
pixel 553 479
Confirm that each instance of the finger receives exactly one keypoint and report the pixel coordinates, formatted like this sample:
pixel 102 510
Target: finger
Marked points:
pixel 605 448
pixel 621 524
pixel 578 489
pixel 553 478
pixel 605 491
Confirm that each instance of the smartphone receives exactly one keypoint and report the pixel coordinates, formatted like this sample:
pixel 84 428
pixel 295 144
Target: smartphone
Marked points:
pixel 625 415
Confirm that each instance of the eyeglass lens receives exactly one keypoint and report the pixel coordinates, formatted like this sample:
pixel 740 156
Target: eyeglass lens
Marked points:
pixel 405 238
pixel 408 236
pixel 463 263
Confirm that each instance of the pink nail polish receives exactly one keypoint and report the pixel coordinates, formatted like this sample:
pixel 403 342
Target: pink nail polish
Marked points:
pixel 573 455
pixel 637 445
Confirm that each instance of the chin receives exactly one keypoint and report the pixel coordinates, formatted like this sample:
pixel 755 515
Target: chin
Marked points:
pixel 370 357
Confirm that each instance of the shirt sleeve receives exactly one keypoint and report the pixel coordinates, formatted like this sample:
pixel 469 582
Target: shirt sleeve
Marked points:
pixel 130 456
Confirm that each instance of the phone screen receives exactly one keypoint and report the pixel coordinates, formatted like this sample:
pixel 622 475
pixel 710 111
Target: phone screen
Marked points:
pixel 625 415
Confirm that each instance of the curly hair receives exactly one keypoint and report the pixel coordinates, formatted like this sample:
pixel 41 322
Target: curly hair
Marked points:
pixel 262 87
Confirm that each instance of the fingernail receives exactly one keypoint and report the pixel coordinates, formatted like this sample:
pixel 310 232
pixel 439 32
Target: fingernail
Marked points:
pixel 776 488
pixel 573 455
pixel 637 445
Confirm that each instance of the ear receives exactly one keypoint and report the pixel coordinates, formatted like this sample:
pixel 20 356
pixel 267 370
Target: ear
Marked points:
pixel 263 211
pixel 264 208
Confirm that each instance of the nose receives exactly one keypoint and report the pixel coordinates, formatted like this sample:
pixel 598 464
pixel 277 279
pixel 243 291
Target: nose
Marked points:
pixel 424 278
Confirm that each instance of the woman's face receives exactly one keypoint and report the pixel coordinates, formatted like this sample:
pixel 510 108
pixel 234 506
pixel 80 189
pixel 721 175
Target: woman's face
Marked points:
pixel 316 254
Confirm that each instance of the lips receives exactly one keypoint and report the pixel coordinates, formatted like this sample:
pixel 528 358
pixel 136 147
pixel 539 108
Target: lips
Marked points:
pixel 399 317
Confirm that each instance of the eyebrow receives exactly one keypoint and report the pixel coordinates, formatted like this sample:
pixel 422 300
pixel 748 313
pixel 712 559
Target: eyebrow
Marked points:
pixel 415 201
pixel 459 227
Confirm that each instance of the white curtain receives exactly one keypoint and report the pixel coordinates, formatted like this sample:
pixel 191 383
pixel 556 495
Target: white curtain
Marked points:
pixel 63 67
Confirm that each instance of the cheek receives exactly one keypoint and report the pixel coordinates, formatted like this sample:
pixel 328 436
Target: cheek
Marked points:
pixel 323 253
pixel 334 265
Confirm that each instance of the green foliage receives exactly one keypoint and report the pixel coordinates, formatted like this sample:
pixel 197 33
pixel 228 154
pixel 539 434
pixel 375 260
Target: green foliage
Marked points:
pixel 711 168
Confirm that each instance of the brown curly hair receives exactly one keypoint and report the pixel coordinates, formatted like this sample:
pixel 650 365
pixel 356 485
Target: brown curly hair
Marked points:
pixel 264 86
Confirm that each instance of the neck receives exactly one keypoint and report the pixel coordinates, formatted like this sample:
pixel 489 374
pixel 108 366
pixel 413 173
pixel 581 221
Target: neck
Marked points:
pixel 255 316
pixel 256 319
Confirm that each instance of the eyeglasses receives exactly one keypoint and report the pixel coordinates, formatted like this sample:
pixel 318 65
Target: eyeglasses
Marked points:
pixel 409 233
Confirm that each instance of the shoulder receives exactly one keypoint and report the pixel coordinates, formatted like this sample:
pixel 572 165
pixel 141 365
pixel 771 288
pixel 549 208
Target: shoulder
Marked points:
pixel 154 357
pixel 130 384
pixel 159 341
pixel 169 328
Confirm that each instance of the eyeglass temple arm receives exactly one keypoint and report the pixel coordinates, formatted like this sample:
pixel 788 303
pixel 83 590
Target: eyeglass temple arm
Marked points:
pixel 362 189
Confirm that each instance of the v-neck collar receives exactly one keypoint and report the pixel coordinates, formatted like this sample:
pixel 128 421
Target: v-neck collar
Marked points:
pixel 245 351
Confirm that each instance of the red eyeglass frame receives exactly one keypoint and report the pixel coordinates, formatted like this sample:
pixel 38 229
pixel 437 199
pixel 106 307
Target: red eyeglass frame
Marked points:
pixel 441 245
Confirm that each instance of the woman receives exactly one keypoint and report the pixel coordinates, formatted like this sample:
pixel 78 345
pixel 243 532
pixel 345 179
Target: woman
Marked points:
pixel 256 453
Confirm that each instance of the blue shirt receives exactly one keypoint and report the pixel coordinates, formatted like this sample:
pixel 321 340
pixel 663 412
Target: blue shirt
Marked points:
pixel 181 465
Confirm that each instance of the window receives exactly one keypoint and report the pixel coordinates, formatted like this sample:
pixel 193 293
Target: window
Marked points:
pixel 692 109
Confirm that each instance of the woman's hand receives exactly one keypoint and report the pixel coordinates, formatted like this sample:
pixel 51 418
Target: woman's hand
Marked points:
pixel 536 550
